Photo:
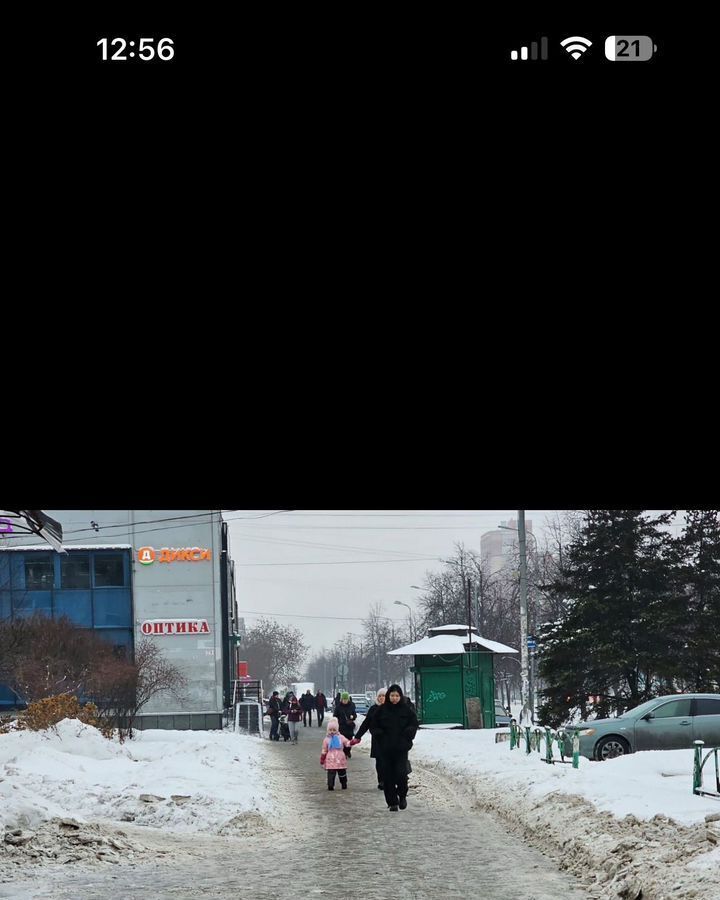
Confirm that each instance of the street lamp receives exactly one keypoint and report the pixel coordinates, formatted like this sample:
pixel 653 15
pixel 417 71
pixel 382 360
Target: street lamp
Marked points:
pixel 527 712
pixel 352 634
pixel 410 622
pixel 442 597
pixel 527 534
pixel 412 633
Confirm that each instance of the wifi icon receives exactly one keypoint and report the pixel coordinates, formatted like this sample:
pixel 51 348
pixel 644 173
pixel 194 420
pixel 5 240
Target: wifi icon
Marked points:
pixel 576 46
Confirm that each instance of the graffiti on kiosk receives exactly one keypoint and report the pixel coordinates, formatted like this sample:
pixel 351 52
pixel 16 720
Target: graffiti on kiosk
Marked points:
pixel 148 555
pixel 175 626
pixel 5 526
pixel 436 695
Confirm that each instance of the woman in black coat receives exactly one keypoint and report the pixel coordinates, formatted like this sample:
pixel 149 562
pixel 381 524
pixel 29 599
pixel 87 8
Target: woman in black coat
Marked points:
pixel 369 719
pixel 394 728
pixel 346 714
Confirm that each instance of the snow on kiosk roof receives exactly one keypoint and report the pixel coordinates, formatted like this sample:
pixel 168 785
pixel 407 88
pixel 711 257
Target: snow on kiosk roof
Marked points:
pixel 448 640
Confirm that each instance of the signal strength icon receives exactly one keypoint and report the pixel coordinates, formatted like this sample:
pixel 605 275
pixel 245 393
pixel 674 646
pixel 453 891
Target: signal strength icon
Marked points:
pixel 576 46
pixel 533 51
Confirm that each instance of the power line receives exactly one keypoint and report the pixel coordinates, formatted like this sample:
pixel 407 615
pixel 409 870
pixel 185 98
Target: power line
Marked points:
pixel 380 527
pixel 432 515
pixel 321 545
pixel 345 562
pixel 252 612
pixel 129 526
pixel 200 516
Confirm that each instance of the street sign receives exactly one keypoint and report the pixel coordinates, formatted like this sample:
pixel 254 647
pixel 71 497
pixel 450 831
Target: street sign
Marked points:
pixel 342 671
pixel 532 643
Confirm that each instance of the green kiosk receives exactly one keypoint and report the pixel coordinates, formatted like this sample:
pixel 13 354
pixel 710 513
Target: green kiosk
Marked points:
pixel 450 670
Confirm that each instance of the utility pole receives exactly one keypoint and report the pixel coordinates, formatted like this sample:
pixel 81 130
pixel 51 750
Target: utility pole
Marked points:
pixel 469 612
pixel 526 715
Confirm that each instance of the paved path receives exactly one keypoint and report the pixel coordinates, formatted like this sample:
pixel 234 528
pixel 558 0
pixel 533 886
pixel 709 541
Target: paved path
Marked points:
pixel 346 844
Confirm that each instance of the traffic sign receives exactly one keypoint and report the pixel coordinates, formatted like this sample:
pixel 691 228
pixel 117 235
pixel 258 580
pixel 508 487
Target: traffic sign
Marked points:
pixel 342 671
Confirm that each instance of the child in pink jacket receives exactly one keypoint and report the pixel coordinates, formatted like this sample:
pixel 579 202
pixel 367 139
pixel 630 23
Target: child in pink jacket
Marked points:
pixel 332 758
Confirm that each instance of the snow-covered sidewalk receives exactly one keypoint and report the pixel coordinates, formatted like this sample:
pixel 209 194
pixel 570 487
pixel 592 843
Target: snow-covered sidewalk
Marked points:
pixel 630 824
pixel 633 821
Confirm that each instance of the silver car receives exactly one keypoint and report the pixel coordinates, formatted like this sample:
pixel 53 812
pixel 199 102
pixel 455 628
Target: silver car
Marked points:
pixel 672 722
pixel 502 718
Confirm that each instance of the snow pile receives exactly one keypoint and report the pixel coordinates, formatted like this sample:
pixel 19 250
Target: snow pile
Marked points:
pixel 656 782
pixel 181 780
pixel 630 825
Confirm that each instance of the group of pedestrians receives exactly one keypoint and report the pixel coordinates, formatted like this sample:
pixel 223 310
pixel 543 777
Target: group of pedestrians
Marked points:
pixel 392 723
pixel 308 702
pixel 285 714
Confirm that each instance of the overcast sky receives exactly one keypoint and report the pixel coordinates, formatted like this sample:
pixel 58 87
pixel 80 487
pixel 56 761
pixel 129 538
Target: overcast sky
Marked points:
pixel 303 568
pixel 321 570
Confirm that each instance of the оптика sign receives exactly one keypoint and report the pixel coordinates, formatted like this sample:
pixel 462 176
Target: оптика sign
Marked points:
pixel 175 626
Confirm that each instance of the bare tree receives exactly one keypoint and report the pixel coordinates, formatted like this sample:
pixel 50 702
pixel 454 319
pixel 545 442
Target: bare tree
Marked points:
pixel 275 653
pixel 155 674
pixel 42 657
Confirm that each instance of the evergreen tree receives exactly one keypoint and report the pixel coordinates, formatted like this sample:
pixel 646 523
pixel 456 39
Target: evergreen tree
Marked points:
pixel 696 635
pixel 618 587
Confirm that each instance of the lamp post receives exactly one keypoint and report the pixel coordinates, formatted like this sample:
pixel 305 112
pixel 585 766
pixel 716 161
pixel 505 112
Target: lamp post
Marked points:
pixel 442 598
pixel 353 634
pixel 527 711
pixel 411 630
pixel 410 622
pixel 479 600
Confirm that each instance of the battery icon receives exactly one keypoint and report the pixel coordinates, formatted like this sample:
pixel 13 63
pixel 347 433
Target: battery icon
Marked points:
pixel 629 47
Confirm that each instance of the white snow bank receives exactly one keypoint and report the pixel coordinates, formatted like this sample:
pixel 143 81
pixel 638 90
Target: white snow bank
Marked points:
pixel 642 784
pixel 75 772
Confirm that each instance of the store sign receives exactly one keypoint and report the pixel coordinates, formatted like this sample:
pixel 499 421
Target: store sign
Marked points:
pixel 147 555
pixel 175 626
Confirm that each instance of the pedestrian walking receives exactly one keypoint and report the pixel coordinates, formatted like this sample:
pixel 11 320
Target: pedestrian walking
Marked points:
pixel 408 699
pixel 293 711
pixel 336 702
pixel 346 715
pixel 274 713
pixel 320 705
pixel 369 718
pixel 394 728
pixel 332 758
pixel 307 702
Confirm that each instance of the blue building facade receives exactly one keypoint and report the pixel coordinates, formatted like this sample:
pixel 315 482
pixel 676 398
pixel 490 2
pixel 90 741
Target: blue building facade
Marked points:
pixel 92 587
pixel 164 576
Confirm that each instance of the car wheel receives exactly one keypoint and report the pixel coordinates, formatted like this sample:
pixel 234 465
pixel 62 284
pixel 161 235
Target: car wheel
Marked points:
pixel 610 747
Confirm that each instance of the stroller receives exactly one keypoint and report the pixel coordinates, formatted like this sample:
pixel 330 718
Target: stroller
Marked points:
pixel 284 728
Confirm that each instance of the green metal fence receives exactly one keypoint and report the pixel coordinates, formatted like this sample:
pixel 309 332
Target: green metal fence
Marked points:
pixel 532 739
pixel 698 765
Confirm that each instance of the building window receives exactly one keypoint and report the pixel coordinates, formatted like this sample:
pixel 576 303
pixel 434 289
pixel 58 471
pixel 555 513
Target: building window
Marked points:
pixel 75 571
pixel 4 572
pixel 38 572
pixel 109 571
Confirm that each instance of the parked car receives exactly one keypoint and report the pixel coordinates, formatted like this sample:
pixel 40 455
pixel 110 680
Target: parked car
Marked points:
pixel 502 719
pixel 361 704
pixel 671 722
